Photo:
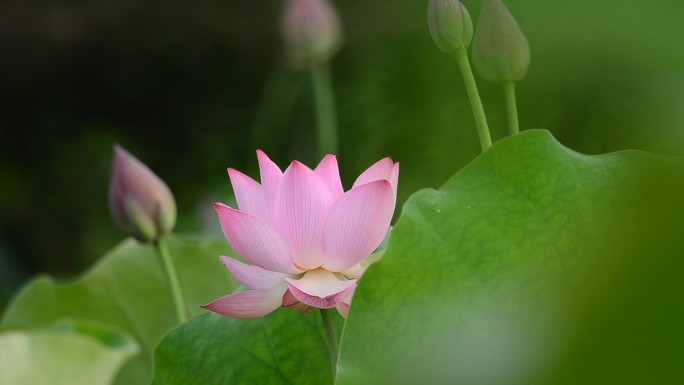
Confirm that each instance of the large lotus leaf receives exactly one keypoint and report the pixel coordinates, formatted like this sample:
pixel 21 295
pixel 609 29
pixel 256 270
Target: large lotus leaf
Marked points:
pixel 532 265
pixel 285 347
pixel 127 289
pixel 65 355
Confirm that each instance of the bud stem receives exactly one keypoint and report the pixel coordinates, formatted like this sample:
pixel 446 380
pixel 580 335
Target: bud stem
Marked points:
pixel 325 109
pixel 461 56
pixel 333 343
pixel 511 107
pixel 171 279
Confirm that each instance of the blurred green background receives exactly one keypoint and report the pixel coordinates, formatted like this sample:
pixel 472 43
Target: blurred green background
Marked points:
pixel 191 88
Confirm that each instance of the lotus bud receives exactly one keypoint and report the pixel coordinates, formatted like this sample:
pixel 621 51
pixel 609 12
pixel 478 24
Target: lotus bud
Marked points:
pixel 311 30
pixel 500 50
pixel 140 203
pixel 450 25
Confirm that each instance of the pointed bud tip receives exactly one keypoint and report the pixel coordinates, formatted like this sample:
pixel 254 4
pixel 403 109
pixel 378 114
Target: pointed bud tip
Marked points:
pixel 121 153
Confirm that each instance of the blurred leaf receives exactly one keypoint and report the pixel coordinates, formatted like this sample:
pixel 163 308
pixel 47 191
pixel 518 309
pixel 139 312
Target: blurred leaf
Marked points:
pixel 69 354
pixel 285 347
pixel 127 289
pixel 501 276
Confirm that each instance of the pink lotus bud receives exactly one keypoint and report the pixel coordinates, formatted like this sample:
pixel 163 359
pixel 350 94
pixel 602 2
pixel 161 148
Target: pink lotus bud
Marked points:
pixel 140 203
pixel 312 32
pixel 307 241
pixel 450 25
pixel 500 50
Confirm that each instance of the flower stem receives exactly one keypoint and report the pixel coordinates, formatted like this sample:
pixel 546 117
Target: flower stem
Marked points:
pixel 474 96
pixel 325 109
pixel 511 107
pixel 333 343
pixel 171 279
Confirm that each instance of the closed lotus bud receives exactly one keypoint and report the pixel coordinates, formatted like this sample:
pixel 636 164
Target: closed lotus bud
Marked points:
pixel 140 203
pixel 500 50
pixel 450 25
pixel 311 30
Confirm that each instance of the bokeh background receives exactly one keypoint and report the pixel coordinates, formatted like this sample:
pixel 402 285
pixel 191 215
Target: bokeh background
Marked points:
pixel 194 87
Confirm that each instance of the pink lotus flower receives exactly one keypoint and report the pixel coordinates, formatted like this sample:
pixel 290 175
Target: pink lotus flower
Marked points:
pixel 303 235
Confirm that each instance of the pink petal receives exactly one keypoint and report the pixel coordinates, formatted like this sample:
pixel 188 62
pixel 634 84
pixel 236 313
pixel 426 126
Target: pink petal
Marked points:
pixel 343 307
pixel 320 288
pixel 394 176
pixel 248 193
pixel 330 174
pixel 300 208
pixel 289 299
pixel 253 276
pixel 357 223
pixel 291 302
pixel 248 304
pixel 382 169
pixel 270 180
pixel 255 240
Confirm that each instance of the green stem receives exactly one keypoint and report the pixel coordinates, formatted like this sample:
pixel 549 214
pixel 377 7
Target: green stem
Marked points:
pixel 171 279
pixel 511 108
pixel 333 343
pixel 475 101
pixel 325 109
